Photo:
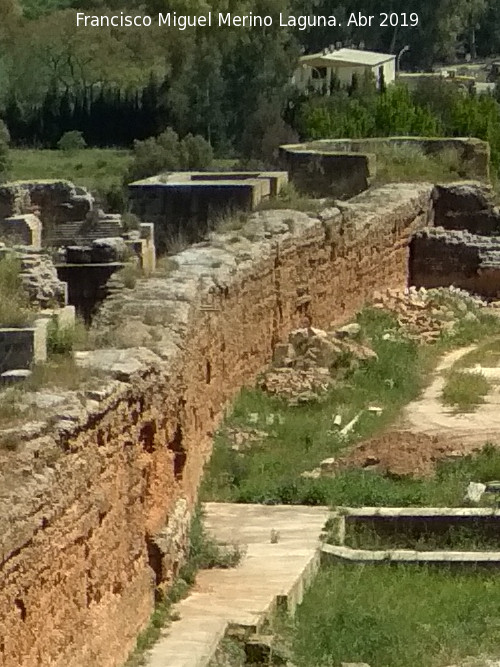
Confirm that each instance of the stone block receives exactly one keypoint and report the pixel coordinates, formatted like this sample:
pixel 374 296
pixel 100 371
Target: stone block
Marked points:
pixel 22 229
pixel 14 376
pixel 283 353
pixel 40 339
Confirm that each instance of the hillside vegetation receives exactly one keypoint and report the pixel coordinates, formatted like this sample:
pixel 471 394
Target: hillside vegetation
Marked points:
pixel 231 86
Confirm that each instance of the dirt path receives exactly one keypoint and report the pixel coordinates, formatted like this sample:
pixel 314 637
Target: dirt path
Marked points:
pixel 429 431
pixel 428 415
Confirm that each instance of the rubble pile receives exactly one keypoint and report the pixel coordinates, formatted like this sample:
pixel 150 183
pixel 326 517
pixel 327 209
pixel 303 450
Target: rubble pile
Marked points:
pixel 302 368
pixel 425 314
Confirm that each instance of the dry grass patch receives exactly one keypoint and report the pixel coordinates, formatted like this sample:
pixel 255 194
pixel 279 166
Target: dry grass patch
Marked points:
pixel 61 372
pixel 410 163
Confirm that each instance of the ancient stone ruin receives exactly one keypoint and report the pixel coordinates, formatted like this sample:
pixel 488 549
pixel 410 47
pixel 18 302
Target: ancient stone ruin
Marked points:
pixel 98 495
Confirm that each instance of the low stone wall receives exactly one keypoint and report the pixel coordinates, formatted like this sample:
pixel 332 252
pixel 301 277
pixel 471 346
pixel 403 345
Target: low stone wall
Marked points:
pixel 95 503
pixel 328 174
pixel 467 207
pixel 185 204
pixel 345 167
pixel 439 258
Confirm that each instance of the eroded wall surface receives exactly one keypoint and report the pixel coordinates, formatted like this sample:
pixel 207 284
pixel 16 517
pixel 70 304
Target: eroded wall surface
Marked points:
pixel 95 503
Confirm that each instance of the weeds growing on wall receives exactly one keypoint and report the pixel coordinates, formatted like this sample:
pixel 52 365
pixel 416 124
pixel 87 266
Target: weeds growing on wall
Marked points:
pixel 62 340
pixel 409 164
pixel 290 198
pixel 129 275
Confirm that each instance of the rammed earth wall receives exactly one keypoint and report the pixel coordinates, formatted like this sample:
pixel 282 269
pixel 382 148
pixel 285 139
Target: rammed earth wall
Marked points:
pixel 96 501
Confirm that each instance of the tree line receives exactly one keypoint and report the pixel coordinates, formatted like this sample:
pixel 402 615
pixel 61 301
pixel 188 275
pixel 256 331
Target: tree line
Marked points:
pixel 230 86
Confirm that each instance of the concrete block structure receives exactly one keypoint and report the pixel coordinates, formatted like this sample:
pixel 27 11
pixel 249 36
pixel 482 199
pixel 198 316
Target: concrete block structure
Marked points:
pixel 186 203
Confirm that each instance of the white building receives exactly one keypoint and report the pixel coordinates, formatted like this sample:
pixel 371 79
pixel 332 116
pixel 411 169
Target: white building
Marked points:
pixel 318 69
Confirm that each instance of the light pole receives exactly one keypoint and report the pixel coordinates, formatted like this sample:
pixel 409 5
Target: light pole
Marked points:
pixel 398 59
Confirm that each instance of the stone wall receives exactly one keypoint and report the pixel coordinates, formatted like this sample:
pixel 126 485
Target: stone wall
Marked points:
pixel 184 205
pixel 466 206
pixel 345 167
pixel 327 174
pixel 440 258
pixel 56 201
pixel 96 501
pixel 462 248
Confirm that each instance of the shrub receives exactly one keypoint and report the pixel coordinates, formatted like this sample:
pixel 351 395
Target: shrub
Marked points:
pixel 71 141
pixel 167 153
pixel 63 340
pixel 195 152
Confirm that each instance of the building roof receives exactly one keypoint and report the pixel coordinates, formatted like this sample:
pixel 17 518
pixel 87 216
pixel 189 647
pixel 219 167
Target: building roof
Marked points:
pixel 348 57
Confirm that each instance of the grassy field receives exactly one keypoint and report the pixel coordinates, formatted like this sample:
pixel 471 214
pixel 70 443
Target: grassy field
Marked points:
pixel 96 168
pixel 396 616
pixel 302 436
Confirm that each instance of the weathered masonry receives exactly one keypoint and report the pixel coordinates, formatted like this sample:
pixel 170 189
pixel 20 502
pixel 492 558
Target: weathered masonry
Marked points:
pixel 95 502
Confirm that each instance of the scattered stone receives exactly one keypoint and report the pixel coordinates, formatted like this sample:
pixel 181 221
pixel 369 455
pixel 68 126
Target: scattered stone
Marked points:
pixel 283 354
pixel 423 314
pixel 475 491
pixel 349 330
pixel 242 438
pixel 298 386
pixel 349 427
pixel 311 474
pixel 302 369
pixel 274 419
pixel 327 465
